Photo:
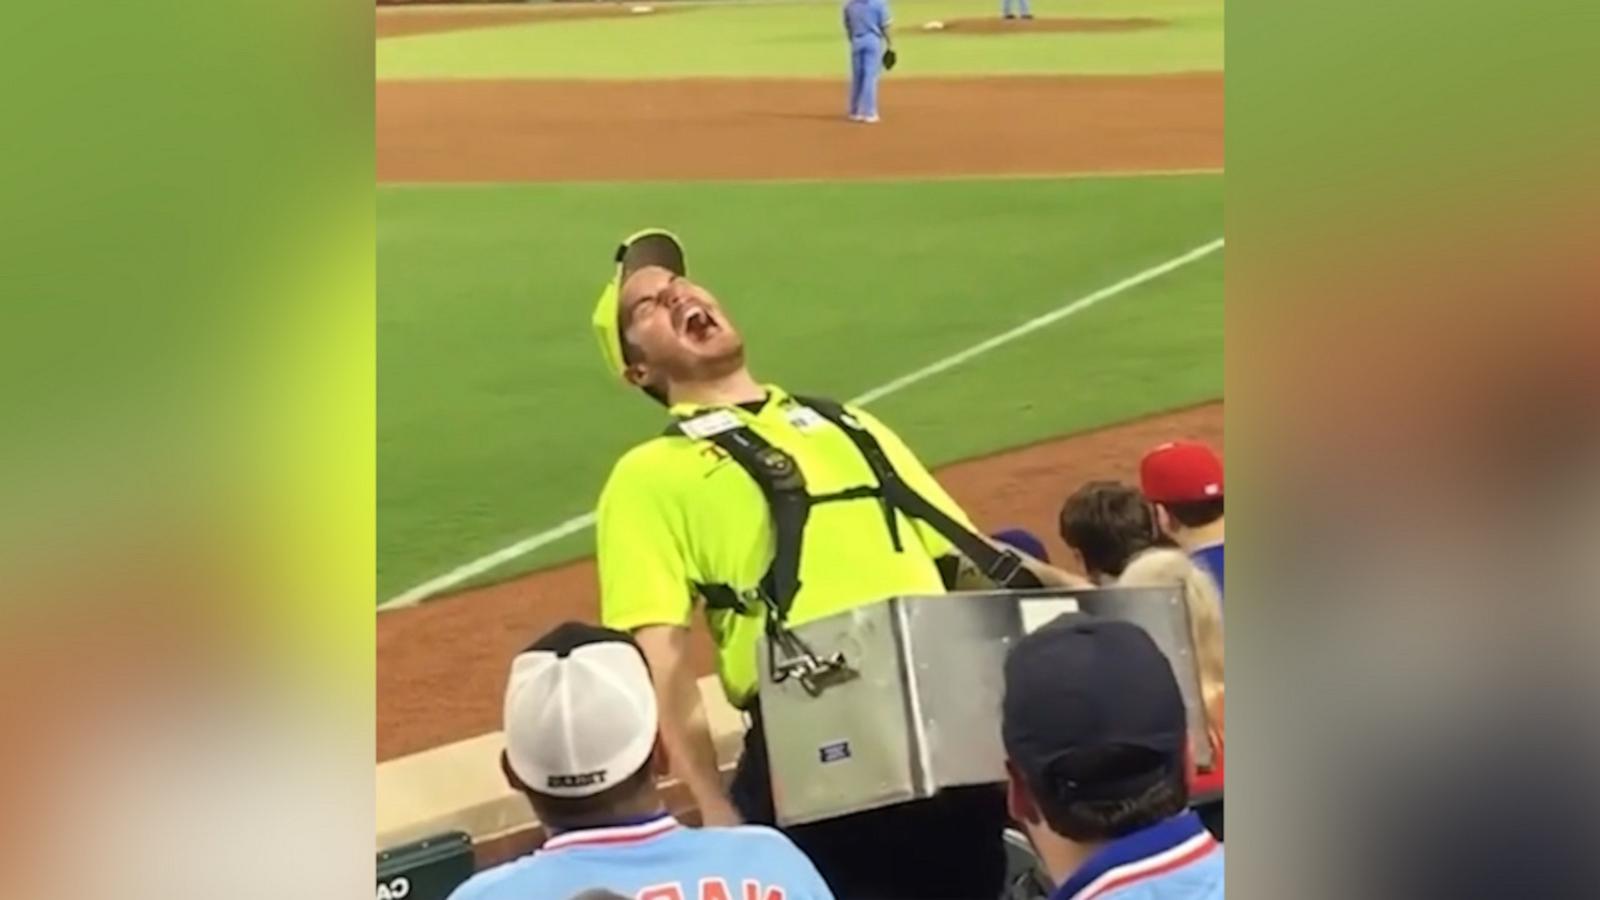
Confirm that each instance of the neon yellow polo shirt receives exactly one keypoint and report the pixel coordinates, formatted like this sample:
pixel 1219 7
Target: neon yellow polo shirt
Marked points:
pixel 677 511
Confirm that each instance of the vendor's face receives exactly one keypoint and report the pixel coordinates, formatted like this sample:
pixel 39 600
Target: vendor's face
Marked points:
pixel 678 330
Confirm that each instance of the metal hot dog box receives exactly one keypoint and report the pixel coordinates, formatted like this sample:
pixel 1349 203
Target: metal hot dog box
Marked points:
pixel 896 700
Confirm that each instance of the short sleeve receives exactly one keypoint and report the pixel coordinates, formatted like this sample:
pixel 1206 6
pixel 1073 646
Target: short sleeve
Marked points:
pixel 882 8
pixel 917 476
pixel 644 573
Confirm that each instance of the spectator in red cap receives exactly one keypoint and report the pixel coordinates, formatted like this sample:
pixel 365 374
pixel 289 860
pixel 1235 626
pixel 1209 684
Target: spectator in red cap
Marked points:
pixel 1183 479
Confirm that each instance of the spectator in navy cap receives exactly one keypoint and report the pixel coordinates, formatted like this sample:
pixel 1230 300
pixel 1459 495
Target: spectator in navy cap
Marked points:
pixel 1095 736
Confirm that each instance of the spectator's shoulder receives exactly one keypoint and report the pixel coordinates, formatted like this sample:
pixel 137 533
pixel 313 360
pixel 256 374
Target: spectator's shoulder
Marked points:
pixel 1156 566
pixel 769 839
pixel 491 883
pixel 759 832
pixel 1200 880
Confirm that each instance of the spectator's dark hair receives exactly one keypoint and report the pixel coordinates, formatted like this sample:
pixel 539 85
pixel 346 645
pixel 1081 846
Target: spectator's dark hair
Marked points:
pixel 1091 821
pixel 1196 514
pixel 598 809
pixel 1108 522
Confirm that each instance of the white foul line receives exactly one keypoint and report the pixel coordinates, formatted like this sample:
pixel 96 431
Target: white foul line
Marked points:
pixel 574 525
pixel 1049 318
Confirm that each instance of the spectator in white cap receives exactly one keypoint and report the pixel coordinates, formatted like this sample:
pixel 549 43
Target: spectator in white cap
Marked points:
pixel 581 745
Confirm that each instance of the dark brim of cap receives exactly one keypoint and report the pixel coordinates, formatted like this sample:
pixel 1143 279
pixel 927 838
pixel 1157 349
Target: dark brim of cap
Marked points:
pixel 1118 773
pixel 652 249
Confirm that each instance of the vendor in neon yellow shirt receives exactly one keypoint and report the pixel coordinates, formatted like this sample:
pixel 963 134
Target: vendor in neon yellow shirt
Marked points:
pixel 677 512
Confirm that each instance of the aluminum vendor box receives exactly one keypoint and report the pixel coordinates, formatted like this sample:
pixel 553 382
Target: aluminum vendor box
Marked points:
pixel 919 707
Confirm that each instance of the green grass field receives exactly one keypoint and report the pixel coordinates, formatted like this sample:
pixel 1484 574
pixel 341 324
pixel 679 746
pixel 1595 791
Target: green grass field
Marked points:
pixel 803 39
pixel 496 419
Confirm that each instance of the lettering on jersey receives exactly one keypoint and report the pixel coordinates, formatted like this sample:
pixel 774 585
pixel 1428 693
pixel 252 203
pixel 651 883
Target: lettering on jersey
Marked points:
pixel 752 891
pixel 713 889
pixel 582 779
pixel 834 752
pixel 394 889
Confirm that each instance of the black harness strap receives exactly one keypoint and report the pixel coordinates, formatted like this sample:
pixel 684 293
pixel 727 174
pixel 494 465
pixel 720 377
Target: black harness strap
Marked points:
pixel 784 487
pixel 856 493
pixel 1002 568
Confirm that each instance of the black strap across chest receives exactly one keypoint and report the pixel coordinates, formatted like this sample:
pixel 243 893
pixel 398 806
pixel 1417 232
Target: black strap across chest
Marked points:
pixel 784 487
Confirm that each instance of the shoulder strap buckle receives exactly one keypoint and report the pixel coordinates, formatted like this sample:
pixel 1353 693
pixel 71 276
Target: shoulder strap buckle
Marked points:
pixel 1004 568
pixel 789 656
pixel 781 482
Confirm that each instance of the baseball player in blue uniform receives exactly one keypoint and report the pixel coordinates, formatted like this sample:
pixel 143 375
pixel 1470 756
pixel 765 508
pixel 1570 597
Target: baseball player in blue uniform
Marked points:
pixel 581 745
pixel 866 24
pixel 1021 6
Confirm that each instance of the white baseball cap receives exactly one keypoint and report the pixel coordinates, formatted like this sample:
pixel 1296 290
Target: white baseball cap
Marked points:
pixel 580 713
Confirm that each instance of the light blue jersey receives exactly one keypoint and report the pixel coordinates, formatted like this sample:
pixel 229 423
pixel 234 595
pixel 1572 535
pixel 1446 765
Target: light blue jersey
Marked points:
pixel 656 860
pixel 865 25
pixel 1172 860
pixel 865 20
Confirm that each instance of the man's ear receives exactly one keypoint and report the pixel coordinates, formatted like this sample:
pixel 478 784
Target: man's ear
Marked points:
pixel 1019 799
pixel 510 774
pixel 1163 521
pixel 637 374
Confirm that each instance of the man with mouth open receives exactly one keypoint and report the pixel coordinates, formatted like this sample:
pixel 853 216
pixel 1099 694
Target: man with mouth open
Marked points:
pixel 717 510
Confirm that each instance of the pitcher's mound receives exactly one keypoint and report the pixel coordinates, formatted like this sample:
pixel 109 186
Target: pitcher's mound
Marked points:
pixel 997 25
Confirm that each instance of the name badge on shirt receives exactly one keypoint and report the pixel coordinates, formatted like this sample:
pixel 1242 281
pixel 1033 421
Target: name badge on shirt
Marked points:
pixel 805 418
pixel 711 423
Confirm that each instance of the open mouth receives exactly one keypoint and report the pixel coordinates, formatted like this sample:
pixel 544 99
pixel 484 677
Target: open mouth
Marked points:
pixel 698 324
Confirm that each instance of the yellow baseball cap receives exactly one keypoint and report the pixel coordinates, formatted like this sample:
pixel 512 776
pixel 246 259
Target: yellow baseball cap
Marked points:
pixel 650 247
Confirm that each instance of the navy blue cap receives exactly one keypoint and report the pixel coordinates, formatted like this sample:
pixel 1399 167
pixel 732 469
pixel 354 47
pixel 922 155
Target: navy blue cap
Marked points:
pixel 1092 710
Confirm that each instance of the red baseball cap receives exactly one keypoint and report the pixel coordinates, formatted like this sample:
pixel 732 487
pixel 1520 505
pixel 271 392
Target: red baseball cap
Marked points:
pixel 1181 472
